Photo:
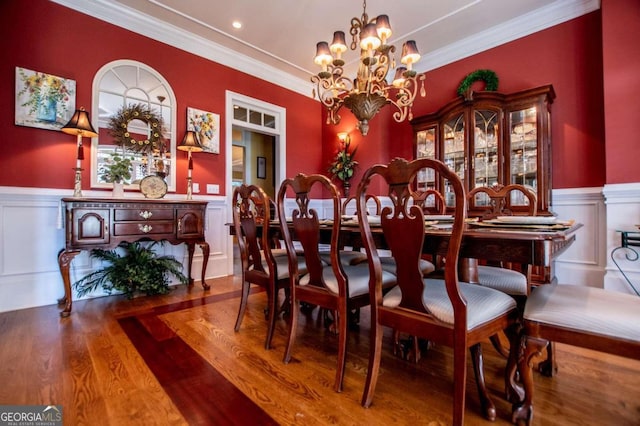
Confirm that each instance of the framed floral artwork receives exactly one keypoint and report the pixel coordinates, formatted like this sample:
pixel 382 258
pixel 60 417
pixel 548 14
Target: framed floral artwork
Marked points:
pixel 43 100
pixel 207 126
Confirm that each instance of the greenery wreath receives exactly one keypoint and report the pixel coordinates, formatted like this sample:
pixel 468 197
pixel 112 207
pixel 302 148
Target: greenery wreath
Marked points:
pixel 489 77
pixel 119 128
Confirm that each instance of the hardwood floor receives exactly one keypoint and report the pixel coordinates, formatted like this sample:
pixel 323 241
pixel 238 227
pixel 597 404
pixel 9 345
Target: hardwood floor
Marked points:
pixel 175 359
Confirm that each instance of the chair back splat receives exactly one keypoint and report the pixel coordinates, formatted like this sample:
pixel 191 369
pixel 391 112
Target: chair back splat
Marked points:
pixel 498 201
pixel 443 311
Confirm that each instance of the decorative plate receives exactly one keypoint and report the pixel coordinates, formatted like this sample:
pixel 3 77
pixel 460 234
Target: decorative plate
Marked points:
pixel 440 217
pixel 528 220
pixel 153 186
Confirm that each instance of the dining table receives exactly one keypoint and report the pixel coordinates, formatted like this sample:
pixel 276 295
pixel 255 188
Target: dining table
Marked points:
pixel 522 243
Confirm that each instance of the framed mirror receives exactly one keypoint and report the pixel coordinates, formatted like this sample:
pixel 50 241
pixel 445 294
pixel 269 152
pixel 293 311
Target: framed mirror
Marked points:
pixel 136 116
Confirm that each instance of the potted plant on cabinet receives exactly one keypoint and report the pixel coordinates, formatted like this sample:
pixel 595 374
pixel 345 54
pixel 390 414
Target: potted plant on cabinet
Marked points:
pixel 117 171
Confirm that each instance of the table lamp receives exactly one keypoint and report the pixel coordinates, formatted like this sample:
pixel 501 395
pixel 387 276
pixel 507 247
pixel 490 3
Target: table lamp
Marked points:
pixel 79 125
pixel 190 143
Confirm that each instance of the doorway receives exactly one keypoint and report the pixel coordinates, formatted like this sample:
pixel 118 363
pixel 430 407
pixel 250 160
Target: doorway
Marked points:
pixel 253 160
pixel 253 119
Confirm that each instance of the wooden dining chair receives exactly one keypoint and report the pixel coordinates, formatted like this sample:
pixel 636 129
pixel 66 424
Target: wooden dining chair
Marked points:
pixel 431 201
pixel 587 317
pixel 492 202
pixel 373 204
pixel 444 311
pixel 259 264
pixel 500 278
pixel 336 287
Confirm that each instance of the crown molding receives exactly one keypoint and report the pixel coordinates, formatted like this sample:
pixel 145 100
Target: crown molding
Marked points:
pixel 545 17
pixel 122 16
pixel 132 20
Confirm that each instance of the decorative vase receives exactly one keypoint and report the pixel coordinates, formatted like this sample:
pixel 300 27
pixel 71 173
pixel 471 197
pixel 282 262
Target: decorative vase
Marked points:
pixel 346 186
pixel 47 109
pixel 118 190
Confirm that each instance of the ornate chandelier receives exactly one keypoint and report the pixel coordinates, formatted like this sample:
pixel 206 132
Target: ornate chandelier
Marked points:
pixel 369 91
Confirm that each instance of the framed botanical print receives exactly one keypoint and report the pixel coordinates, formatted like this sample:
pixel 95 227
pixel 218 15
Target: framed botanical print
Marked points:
pixel 43 100
pixel 207 126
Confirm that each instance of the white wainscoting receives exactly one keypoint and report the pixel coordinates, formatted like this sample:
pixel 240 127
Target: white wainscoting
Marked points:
pixel 31 236
pixel 584 261
pixel 623 213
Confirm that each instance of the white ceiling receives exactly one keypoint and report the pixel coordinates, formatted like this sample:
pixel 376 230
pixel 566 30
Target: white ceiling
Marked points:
pixel 278 38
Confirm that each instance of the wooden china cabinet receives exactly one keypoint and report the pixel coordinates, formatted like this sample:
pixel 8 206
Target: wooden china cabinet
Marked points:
pixel 491 138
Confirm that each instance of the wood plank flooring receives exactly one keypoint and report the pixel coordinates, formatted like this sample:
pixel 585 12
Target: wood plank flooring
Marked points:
pixel 175 359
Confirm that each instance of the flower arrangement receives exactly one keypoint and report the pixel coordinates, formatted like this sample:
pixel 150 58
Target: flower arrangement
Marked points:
pixel 204 125
pixel 344 165
pixel 117 169
pixel 44 89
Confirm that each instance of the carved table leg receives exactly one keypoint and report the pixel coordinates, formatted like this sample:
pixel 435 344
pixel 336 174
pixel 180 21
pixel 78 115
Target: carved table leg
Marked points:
pixel 64 261
pixel 205 259
pixel 468 270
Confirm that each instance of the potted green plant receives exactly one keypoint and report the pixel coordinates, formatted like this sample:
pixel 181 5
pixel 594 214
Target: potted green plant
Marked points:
pixel 117 170
pixel 343 166
pixel 138 270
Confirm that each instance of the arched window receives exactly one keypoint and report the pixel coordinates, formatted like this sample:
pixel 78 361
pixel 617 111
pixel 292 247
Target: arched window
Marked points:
pixel 127 84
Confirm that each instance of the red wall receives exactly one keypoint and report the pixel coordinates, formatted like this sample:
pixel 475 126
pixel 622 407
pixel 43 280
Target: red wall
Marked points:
pixel 569 56
pixel 620 34
pixel 43 36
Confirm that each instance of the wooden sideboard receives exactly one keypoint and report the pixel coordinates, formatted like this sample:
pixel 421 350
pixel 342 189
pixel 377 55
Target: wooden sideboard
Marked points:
pixel 104 223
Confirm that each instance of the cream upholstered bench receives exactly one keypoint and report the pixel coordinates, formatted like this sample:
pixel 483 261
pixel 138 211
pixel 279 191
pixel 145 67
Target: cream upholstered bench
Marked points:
pixel 588 317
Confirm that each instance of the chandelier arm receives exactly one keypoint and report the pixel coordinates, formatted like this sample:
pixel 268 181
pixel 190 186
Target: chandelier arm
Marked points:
pixel 404 98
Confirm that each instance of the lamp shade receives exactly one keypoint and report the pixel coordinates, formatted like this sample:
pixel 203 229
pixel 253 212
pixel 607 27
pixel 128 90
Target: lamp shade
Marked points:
pixel 80 124
pixel 383 28
pixel 338 45
pixel 410 54
pixel 190 142
pixel 323 54
pixel 399 78
pixel 369 37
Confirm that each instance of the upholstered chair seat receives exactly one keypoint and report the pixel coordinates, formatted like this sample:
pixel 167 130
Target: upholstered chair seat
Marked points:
pixel 508 281
pixel 347 257
pixel 484 304
pixel 587 317
pixel 590 310
pixel 389 264
pixel 358 279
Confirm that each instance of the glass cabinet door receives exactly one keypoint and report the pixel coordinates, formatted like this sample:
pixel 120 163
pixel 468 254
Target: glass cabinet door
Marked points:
pixel 454 151
pixel 426 148
pixel 485 148
pixel 523 151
